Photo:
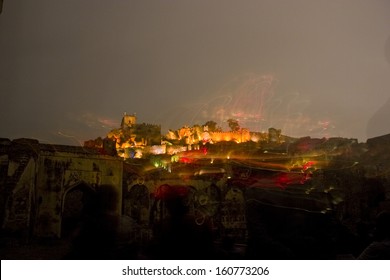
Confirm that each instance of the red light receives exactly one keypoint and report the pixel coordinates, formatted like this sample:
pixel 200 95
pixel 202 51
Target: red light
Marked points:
pixel 185 160
pixel 307 165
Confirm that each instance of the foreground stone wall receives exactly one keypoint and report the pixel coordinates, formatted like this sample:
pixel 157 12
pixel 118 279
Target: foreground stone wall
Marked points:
pixel 59 173
pixel 38 178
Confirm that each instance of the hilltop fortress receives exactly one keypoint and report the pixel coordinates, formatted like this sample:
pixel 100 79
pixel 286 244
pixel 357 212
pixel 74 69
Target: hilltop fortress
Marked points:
pixel 131 140
pixel 134 140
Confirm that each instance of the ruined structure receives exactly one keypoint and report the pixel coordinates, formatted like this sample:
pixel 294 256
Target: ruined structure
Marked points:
pixel 45 189
pixel 240 136
pixel 132 138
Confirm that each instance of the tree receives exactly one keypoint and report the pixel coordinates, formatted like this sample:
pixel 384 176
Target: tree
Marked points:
pixel 211 126
pixel 233 124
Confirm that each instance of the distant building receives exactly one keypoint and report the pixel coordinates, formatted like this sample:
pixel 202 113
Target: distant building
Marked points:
pixel 128 121
pixel 143 134
pixel 132 138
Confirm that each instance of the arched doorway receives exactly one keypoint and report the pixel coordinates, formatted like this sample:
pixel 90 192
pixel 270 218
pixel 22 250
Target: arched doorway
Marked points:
pixel 137 204
pixel 77 206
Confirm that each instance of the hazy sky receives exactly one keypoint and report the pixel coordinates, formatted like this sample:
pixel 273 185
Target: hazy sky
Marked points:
pixel 69 69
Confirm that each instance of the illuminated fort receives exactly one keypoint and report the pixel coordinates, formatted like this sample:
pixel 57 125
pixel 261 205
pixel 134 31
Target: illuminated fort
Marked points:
pixel 131 140
pixel 134 140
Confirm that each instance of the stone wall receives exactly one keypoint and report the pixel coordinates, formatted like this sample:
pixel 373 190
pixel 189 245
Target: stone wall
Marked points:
pixel 39 177
pixel 59 173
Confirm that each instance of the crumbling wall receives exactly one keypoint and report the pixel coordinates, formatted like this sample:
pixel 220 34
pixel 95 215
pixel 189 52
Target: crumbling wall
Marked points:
pixel 19 201
pixel 60 172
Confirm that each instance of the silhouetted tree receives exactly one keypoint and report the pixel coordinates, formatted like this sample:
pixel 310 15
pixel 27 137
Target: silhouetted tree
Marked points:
pixel 212 126
pixel 233 124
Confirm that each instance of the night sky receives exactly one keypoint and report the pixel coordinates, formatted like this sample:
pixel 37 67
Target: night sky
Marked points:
pixel 69 69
